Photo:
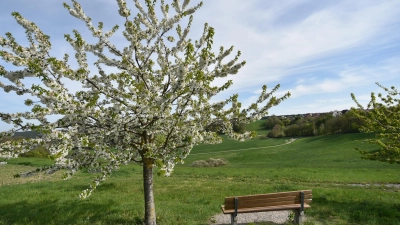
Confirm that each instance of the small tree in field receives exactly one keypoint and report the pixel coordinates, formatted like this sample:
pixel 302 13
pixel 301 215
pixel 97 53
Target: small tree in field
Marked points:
pixel 383 119
pixel 151 111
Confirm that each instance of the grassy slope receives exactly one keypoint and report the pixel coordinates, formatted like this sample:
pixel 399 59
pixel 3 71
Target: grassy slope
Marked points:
pixel 192 195
pixel 329 159
pixel 258 126
pixel 229 144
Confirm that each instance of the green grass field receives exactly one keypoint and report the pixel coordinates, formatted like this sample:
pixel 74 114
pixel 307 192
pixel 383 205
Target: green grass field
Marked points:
pixel 258 126
pixel 328 165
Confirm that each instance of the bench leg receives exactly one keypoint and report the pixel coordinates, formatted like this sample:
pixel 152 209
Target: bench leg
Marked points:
pixel 299 216
pixel 233 219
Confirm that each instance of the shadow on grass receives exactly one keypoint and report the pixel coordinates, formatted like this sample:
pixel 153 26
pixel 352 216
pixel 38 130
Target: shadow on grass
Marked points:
pixel 58 203
pixel 66 212
pixel 25 163
pixel 354 212
pixel 352 137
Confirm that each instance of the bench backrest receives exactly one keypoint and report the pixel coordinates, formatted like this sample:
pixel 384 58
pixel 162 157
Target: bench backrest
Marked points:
pixel 264 200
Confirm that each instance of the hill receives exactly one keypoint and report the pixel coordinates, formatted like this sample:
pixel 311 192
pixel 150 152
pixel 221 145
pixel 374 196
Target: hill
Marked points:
pixel 27 134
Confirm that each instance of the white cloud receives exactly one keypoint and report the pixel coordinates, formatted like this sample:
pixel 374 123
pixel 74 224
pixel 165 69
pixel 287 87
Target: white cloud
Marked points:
pixel 272 52
pixel 350 78
pixel 318 50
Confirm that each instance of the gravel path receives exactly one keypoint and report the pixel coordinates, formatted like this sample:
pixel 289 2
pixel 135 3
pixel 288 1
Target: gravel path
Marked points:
pixel 277 217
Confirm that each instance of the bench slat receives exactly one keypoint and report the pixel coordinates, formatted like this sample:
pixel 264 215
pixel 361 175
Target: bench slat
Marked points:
pixel 264 198
pixel 262 209
pixel 255 197
pixel 276 195
pixel 265 204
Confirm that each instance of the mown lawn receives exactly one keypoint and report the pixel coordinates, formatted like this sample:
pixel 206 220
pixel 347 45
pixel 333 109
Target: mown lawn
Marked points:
pixel 326 164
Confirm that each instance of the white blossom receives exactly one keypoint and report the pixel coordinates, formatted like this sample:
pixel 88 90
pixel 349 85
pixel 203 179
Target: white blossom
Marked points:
pixel 147 111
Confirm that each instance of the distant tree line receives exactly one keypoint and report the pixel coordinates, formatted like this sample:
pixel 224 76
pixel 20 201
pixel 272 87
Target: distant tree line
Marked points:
pixel 14 138
pixel 313 126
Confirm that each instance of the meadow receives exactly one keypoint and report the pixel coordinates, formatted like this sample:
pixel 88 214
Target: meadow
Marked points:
pixel 328 165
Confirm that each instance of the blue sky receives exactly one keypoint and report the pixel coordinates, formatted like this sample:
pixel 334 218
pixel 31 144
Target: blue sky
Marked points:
pixel 319 50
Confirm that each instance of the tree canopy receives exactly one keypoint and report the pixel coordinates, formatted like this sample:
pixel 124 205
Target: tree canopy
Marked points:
pixel 382 117
pixel 152 109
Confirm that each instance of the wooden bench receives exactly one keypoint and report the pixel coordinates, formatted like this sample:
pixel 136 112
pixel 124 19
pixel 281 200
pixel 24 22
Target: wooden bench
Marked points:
pixel 293 200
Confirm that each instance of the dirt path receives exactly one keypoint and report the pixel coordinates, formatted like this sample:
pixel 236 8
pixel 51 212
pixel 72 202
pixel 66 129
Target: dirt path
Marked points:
pixel 246 149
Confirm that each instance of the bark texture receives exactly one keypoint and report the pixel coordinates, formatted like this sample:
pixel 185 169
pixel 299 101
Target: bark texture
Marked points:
pixel 149 206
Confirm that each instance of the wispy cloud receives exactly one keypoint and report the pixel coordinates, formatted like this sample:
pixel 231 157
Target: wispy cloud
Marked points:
pixel 273 51
pixel 350 78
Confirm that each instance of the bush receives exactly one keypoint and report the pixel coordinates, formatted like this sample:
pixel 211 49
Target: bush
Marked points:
pixel 200 163
pixel 272 121
pixel 209 163
pixel 276 132
pixel 38 152
pixel 239 128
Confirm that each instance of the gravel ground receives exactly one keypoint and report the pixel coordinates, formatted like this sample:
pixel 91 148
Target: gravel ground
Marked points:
pixel 277 217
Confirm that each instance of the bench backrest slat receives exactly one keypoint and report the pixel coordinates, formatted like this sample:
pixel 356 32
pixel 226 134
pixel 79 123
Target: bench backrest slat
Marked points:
pixel 275 199
pixel 269 198
pixel 279 194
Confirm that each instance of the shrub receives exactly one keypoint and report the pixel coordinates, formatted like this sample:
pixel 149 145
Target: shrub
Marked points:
pixel 272 121
pixel 276 132
pixel 239 128
pixel 38 152
pixel 209 163
pixel 200 163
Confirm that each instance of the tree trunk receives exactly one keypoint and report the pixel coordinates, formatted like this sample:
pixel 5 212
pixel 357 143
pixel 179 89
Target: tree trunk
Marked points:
pixel 149 206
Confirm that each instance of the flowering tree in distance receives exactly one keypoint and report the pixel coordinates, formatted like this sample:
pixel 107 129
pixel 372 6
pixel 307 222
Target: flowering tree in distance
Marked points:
pixel 151 111
pixel 382 117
